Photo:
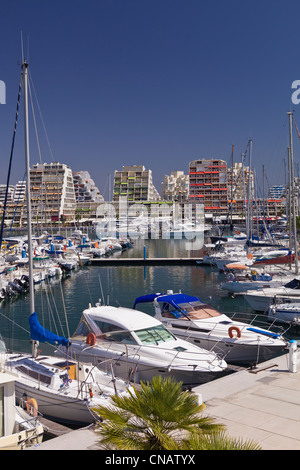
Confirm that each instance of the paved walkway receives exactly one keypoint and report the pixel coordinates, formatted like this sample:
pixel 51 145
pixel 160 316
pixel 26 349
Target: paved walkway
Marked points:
pixel 262 405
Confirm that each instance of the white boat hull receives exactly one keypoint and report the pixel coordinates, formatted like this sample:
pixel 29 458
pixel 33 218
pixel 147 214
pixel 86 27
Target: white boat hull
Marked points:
pixel 57 407
pixel 138 367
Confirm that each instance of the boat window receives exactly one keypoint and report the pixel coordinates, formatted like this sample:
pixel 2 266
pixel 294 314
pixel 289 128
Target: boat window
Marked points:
pixel 106 327
pixel 194 310
pixel 46 379
pixel 113 332
pixel 82 329
pixel 120 336
pixel 155 335
pixel 294 284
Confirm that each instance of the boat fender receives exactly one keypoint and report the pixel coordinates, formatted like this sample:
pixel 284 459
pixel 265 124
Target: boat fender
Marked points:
pixel 232 329
pixel 32 407
pixel 91 339
pixel 250 256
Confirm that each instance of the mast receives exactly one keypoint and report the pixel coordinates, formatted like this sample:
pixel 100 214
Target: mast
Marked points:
pixel 27 166
pixel 249 198
pixel 231 181
pixel 292 178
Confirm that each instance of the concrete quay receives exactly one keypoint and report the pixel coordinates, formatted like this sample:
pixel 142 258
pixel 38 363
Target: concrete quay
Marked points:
pixel 262 405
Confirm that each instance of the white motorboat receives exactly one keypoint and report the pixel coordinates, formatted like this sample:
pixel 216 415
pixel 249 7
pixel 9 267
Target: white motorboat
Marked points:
pixel 237 283
pixel 192 320
pixel 285 313
pixel 140 346
pixel 260 300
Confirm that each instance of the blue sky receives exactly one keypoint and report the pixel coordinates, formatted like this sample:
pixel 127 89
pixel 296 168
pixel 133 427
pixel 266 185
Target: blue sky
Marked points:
pixel 153 82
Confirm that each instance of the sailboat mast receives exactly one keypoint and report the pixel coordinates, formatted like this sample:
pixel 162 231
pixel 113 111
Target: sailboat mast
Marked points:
pixel 27 166
pixel 293 192
pixel 249 198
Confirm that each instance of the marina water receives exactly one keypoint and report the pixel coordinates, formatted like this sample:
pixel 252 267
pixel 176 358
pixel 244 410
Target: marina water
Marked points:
pixel 60 302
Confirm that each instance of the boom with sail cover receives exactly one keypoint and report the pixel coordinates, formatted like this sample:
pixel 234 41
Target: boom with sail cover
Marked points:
pixel 39 333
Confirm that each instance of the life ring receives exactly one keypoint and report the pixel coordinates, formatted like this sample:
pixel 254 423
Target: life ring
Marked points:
pixel 238 232
pixel 250 256
pixel 234 328
pixel 32 407
pixel 91 339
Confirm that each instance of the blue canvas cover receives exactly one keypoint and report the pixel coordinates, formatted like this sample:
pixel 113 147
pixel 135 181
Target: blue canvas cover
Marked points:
pixel 39 333
pixel 173 299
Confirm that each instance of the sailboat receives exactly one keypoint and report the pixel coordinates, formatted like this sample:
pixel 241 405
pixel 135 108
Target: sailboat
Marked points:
pixel 62 390
pixel 19 429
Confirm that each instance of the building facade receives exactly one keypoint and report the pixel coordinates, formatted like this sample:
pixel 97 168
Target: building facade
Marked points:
pixel 175 187
pixel 52 193
pixel 134 183
pixel 208 185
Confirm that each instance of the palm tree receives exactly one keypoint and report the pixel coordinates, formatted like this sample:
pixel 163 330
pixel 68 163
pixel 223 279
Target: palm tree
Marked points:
pixel 156 416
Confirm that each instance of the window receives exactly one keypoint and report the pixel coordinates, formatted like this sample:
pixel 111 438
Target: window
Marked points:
pixel 155 335
pixel 82 329
pixel 115 333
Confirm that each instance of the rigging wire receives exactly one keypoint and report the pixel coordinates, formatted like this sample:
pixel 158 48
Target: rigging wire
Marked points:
pixel 10 162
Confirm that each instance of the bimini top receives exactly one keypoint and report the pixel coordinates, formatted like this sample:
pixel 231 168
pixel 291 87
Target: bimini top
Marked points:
pixel 175 300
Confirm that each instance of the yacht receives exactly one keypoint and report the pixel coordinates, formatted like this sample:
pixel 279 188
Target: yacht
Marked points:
pixel 199 323
pixel 140 346
pixel 260 300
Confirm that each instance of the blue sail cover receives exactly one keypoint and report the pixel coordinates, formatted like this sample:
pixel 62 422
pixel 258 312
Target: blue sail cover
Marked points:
pixel 39 333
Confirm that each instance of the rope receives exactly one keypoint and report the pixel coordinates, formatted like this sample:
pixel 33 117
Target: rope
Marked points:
pixel 296 127
pixel 10 162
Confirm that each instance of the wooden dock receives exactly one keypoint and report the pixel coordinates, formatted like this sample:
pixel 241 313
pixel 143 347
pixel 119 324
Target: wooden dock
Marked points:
pixel 52 428
pixel 114 261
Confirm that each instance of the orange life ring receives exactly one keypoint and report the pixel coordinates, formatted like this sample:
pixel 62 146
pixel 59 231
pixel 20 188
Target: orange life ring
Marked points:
pixel 234 328
pixel 32 407
pixel 238 232
pixel 250 256
pixel 91 339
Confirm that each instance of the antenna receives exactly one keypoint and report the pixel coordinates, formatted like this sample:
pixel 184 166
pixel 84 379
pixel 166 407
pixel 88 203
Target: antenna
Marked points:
pixel 22 50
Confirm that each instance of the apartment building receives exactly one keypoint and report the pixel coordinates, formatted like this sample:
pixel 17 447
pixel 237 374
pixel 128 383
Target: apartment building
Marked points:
pixel 52 193
pixel 10 193
pixel 175 187
pixel 208 185
pixel 19 191
pixel 134 183
pixel 87 195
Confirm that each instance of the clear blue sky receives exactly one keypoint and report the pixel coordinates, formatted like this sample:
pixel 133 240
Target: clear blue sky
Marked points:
pixel 153 82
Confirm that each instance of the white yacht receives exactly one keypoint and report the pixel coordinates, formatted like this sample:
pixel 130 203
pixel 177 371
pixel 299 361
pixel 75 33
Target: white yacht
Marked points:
pixel 190 319
pixel 285 313
pixel 260 300
pixel 140 347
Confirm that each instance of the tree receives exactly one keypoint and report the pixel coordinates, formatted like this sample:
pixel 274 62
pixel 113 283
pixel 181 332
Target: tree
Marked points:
pixel 157 416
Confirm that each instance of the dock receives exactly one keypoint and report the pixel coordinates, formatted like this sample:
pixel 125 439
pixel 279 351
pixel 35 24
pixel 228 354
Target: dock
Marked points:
pixel 261 404
pixel 122 261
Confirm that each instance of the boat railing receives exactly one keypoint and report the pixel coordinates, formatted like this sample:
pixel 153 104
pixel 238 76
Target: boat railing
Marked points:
pixel 135 355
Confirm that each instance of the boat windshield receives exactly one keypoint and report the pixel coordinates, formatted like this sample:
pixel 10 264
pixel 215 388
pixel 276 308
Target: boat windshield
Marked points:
pixel 113 332
pixel 195 310
pixel 154 335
